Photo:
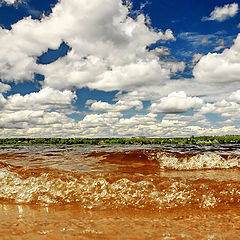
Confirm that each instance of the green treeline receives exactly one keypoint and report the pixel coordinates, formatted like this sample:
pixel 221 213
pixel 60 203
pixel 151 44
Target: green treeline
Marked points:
pixel 110 141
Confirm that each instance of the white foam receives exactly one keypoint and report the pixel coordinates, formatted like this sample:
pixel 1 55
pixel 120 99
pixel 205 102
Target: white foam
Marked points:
pixel 199 161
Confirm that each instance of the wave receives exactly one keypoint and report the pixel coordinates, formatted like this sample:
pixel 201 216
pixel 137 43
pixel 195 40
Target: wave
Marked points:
pixel 170 160
pixel 198 161
pixel 46 186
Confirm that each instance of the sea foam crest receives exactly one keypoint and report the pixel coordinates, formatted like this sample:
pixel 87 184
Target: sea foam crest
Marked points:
pixel 197 162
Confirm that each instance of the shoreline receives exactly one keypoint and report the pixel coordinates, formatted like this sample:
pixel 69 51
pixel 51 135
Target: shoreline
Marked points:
pixel 199 140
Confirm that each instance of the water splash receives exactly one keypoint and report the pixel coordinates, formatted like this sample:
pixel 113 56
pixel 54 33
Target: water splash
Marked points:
pixel 111 191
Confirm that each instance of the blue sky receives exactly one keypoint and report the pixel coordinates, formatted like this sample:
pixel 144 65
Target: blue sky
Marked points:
pixel 154 68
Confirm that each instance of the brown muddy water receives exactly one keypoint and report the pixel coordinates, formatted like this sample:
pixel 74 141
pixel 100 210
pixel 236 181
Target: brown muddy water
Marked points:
pixel 120 192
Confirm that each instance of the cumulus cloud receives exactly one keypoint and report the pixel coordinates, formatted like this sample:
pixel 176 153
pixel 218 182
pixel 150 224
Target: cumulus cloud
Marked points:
pixel 2 101
pixel 139 125
pixel 10 2
pixel 37 112
pixel 218 130
pixel 220 68
pixel 120 106
pixel 21 46
pixel 45 99
pixel 176 102
pixel 161 51
pixel 103 125
pixel 222 13
pixel 108 50
pixel 235 96
pixel 31 123
pixel 33 119
pixel 227 108
pixel 111 51
pixel 4 87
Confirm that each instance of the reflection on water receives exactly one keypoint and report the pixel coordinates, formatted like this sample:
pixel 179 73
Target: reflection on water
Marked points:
pixel 131 192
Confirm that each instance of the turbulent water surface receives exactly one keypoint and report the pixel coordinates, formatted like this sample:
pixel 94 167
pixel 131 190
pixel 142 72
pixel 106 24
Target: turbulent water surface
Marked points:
pixel 120 192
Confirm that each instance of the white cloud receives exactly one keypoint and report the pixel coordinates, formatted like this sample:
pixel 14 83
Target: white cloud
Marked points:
pixel 197 39
pixel 120 106
pixel 21 46
pixel 161 51
pixel 195 59
pixel 221 45
pixel 10 2
pixel 2 101
pixel 235 96
pixel 176 102
pixel 224 130
pixel 37 112
pixel 31 123
pixel 103 125
pixel 143 5
pixel 33 119
pixel 220 68
pixel 4 87
pixel 139 125
pixel 222 13
pixel 45 99
pixel 109 52
pixel 108 47
pixel 44 110
pixel 227 108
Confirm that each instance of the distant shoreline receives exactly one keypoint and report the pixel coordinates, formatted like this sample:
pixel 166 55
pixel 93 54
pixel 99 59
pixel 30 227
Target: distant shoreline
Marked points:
pixel 233 139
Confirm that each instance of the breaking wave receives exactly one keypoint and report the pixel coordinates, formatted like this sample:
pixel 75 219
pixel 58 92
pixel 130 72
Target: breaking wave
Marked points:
pixel 178 161
pixel 171 160
pixel 46 186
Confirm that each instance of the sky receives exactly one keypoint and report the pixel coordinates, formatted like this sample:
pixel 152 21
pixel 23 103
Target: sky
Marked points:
pixel 113 68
